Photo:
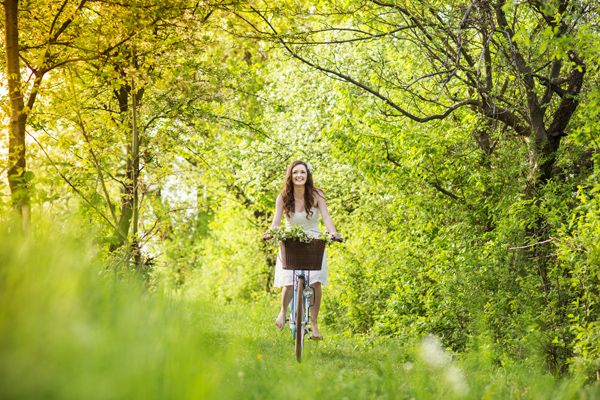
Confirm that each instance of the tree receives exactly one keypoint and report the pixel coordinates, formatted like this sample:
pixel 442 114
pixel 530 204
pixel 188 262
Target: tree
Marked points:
pixel 517 66
pixel 56 36
pixel 134 110
pixel 60 34
pixel 479 104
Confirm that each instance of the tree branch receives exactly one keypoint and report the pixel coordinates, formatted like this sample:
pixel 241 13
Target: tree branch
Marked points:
pixel 551 86
pixel 435 184
pixel 61 9
pixel 65 24
pixel 505 116
pixel 570 100
pixel 75 188
pixel 94 158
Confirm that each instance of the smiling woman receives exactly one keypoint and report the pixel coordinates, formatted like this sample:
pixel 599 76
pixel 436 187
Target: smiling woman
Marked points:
pixel 301 203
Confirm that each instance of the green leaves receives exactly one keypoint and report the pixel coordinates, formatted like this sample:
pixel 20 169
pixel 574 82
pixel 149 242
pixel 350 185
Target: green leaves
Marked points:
pixel 450 230
pixel 296 233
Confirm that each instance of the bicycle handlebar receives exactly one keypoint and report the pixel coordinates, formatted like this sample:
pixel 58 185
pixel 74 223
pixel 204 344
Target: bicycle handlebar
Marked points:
pixel 333 238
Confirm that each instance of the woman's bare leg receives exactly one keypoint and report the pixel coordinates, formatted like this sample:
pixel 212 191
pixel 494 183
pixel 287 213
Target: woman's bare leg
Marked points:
pixel 314 310
pixel 286 296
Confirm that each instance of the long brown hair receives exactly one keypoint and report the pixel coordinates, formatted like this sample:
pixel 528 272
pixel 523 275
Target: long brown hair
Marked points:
pixel 287 193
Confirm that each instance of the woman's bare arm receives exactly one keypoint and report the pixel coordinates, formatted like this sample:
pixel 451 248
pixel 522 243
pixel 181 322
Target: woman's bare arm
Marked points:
pixel 322 205
pixel 278 212
pixel 277 217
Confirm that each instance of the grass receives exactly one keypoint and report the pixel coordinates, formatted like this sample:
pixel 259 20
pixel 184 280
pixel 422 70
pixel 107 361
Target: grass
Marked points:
pixel 70 330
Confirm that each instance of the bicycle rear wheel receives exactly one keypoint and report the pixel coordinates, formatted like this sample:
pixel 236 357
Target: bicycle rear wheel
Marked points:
pixel 300 319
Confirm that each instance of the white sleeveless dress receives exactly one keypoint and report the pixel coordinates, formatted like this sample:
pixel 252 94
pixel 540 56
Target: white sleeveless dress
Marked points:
pixel 310 225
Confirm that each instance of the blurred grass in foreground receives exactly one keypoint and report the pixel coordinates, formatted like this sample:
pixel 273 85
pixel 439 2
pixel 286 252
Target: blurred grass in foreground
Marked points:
pixel 71 330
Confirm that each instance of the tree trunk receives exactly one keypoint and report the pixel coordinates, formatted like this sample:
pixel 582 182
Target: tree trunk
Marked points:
pixel 129 193
pixel 124 223
pixel 135 171
pixel 18 115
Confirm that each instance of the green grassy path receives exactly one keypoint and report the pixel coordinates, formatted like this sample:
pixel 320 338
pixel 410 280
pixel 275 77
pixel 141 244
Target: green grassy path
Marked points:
pixel 69 331
pixel 261 365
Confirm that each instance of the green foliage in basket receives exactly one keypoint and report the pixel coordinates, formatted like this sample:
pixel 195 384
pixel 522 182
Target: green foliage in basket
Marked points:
pixel 297 233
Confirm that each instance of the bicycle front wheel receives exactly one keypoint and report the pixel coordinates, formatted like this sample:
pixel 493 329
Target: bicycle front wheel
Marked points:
pixel 300 319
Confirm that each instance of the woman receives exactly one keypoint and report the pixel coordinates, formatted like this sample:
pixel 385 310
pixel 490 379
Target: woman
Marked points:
pixel 301 203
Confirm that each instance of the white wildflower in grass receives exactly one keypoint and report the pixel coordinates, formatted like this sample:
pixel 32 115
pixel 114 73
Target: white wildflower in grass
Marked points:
pixel 433 355
pixel 455 378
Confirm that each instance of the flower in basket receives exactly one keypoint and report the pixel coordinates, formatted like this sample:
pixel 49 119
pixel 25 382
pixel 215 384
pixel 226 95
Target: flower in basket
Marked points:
pixel 296 233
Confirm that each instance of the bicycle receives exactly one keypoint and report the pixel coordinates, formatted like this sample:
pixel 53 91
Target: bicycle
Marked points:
pixel 300 302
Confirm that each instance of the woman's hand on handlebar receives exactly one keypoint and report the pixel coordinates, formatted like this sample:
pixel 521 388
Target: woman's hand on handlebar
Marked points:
pixel 337 237
pixel 267 236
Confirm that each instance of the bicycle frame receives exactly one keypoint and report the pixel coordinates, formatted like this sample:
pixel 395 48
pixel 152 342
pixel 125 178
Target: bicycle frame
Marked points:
pixel 299 307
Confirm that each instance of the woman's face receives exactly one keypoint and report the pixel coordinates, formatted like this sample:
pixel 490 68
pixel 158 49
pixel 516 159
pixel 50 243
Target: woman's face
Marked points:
pixel 299 175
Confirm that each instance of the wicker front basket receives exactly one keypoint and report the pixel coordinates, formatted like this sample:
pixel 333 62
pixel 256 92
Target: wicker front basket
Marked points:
pixel 300 255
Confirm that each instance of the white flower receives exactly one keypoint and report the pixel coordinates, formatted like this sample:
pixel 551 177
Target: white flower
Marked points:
pixel 309 167
pixel 432 352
